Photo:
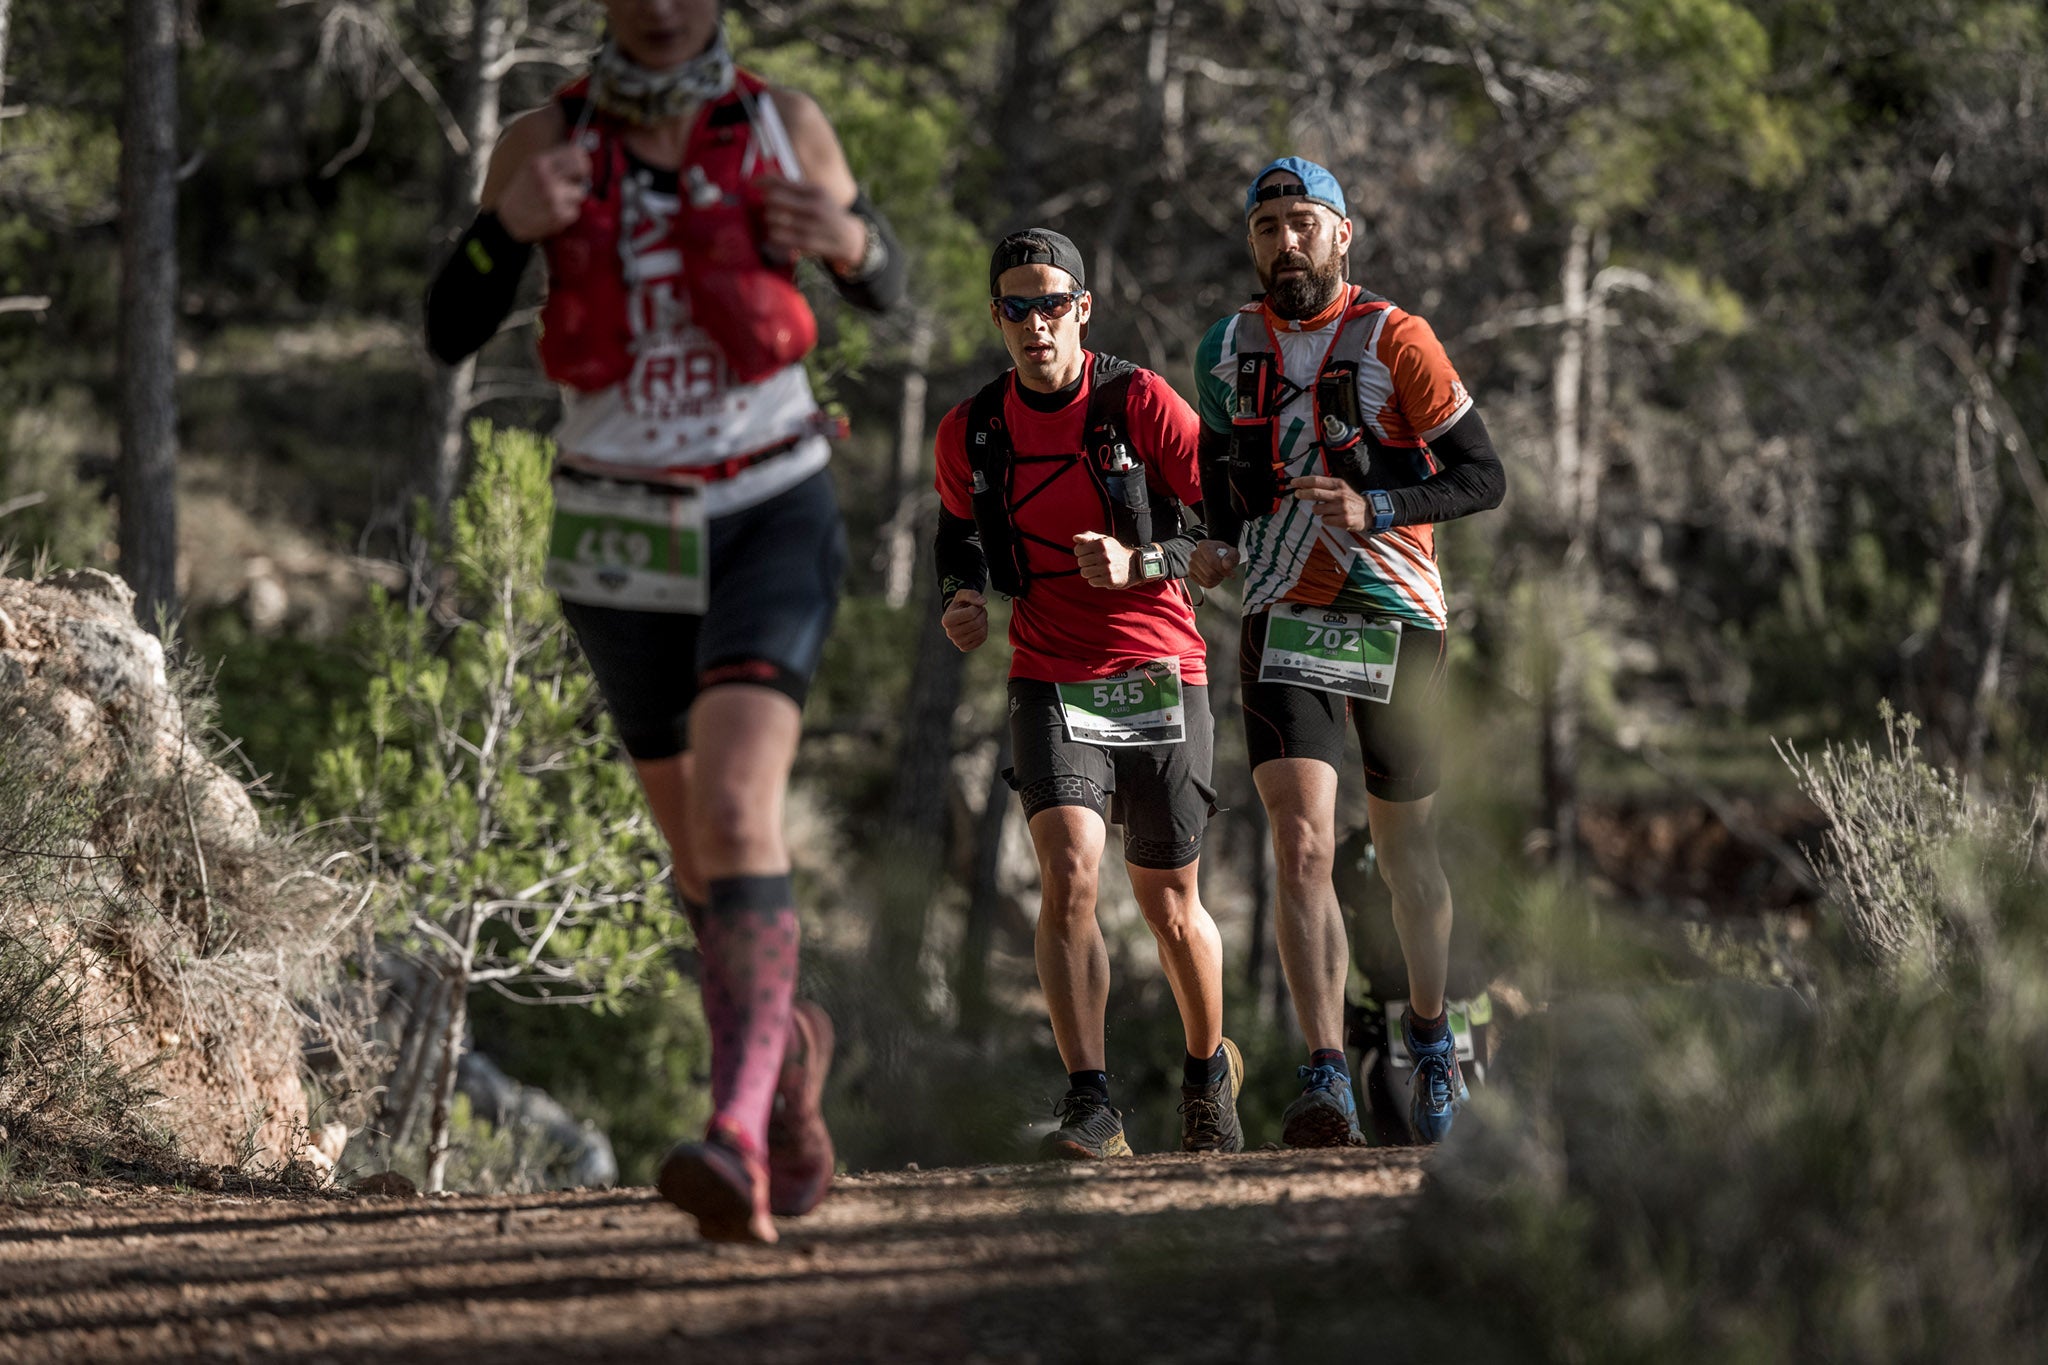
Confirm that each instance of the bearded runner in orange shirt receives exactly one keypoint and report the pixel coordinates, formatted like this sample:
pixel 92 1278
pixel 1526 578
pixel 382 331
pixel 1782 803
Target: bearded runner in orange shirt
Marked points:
pixel 1335 434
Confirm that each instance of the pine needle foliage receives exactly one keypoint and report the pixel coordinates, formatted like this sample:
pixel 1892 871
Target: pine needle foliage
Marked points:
pixel 486 789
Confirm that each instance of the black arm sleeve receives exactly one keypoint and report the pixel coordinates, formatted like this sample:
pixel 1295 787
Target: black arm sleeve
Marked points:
pixel 1470 480
pixel 956 554
pixel 881 288
pixel 1181 548
pixel 474 290
pixel 1213 454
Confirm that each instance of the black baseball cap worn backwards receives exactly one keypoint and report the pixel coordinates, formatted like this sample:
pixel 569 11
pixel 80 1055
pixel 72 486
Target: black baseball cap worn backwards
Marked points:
pixel 1035 246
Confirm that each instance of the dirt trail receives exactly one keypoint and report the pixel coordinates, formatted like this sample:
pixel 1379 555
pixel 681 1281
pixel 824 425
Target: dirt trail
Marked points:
pixel 994 1264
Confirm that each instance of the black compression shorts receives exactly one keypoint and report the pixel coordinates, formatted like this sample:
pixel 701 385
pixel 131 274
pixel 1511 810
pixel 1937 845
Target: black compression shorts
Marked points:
pixel 774 582
pixel 1402 737
pixel 1159 793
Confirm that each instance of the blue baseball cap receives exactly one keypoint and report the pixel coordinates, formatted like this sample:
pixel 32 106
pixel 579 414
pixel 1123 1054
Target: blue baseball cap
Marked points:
pixel 1311 182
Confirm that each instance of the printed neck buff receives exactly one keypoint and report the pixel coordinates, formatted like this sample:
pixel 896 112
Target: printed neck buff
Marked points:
pixel 633 93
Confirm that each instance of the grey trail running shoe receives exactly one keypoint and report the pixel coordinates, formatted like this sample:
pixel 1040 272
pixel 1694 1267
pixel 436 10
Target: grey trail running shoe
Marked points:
pixel 1089 1130
pixel 1208 1113
pixel 1325 1113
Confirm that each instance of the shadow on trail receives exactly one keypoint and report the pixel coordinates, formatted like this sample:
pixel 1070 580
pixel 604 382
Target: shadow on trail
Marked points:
pixel 328 1210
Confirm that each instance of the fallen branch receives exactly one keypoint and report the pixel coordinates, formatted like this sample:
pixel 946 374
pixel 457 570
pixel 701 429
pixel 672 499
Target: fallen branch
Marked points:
pixel 25 303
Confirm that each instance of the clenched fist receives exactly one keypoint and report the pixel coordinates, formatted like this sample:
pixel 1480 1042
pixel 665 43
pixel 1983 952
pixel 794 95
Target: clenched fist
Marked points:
pixel 546 194
pixel 1333 501
pixel 966 620
pixel 801 220
pixel 1212 562
pixel 1105 561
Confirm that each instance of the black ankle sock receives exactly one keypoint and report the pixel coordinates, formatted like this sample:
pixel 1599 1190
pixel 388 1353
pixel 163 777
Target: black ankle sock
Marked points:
pixel 1429 1030
pixel 1202 1070
pixel 1330 1056
pixel 1098 1081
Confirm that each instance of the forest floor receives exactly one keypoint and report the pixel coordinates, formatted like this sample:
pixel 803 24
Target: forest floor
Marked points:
pixel 1155 1258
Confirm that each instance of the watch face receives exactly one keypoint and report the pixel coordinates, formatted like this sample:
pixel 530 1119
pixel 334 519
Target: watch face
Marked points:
pixel 1151 564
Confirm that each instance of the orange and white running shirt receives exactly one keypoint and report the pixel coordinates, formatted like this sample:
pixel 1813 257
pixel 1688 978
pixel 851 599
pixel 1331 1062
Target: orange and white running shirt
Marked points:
pixel 1409 395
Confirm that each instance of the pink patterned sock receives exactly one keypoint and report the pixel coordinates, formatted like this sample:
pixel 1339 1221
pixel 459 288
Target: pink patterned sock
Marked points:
pixel 747 938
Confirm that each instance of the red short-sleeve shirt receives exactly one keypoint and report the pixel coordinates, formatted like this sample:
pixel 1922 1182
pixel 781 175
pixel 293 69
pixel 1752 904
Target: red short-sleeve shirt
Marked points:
pixel 1062 629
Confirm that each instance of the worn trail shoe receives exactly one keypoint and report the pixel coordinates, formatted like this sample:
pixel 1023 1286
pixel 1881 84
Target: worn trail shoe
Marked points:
pixel 1325 1113
pixel 1089 1130
pixel 722 1183
pixel 799 1144
pixel 1208 1113
pixel 1439 1088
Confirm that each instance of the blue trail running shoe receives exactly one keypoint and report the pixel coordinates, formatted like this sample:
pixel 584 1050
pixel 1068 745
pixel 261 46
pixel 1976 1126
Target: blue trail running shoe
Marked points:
pixel 1325 1113
pixel 1439 1087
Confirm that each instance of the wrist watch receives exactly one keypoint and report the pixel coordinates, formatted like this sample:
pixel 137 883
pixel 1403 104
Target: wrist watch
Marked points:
pixel 1151 563
pixel 873 253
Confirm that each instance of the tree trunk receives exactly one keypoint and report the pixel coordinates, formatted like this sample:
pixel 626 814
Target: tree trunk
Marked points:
pixel 1952 682
pixel 913 865
pixel 1261 957
pixel 147 480
pixel 1567 374
pixel 1592 451
pixel 444 1078
pixel 1029 81
pixel 983 902
pixel 1145 149
pixel 400 1108
pixel 5 6
pixel 907 488
pixel 1559 711
pixel 476 110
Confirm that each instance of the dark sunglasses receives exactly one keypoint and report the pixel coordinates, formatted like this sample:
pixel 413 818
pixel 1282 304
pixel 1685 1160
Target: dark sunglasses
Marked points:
pixel 1018 308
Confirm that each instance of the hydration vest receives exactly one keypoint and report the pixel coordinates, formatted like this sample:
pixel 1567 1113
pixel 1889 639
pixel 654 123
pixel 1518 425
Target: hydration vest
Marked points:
pixel 746 303
pixel 1130 511
pixel 1350 450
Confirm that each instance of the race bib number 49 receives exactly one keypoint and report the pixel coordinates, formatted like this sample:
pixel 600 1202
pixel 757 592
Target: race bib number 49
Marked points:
pixel 1141 705
pixel 629 546
pixel 1346 652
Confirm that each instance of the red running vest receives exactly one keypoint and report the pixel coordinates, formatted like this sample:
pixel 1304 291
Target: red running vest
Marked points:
pixel 750 307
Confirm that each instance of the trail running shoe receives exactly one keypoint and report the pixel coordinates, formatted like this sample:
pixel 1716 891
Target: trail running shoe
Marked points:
pixel 722 1183
pixel 1089 1130
pixel 1439 1087
pixel 1325 1113
pixel 799 1144
pixel 1208 1113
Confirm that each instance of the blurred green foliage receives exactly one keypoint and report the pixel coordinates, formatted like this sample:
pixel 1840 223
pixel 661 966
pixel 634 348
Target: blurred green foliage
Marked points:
pixel 481 776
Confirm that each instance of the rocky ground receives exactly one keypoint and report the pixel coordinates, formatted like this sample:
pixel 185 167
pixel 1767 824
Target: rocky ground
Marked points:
pixel 1157 1258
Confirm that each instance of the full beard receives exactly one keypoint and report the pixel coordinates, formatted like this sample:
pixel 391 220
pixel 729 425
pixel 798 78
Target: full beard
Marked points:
pixel 1306 294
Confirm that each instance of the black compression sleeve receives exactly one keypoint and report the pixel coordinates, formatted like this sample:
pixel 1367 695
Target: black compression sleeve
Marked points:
pixel 957 556
pixel 475 288
pixel 1471 478
pixel 1181 548
pixel 1213 455
pixel 881 288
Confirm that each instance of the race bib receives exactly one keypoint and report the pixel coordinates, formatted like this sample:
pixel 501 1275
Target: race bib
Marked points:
pixel 630 546
pixel 1141 705
pixel 1346 652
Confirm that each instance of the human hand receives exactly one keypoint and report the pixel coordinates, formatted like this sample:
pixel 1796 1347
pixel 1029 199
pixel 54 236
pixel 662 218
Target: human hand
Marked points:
pixel 1335 503
pixel 966 620
pixel 546 194
pixel 800 218
pixel 1212 562
pixel 1105 561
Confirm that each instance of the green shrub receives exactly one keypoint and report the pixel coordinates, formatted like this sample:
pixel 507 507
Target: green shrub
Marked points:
pixel 1683 1167
pixel 509 839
